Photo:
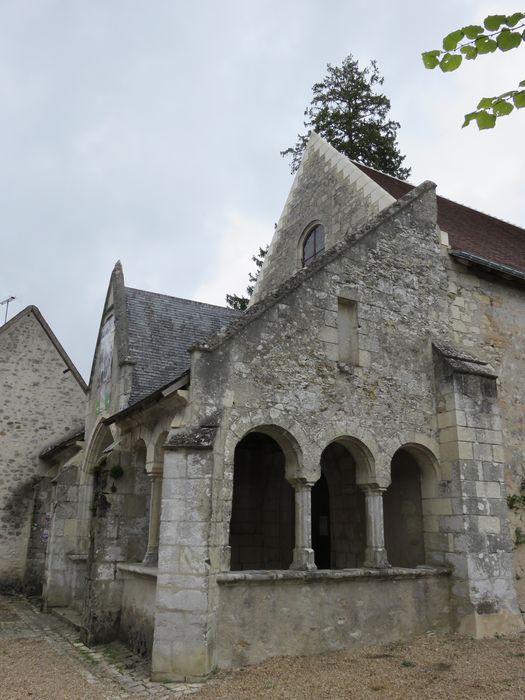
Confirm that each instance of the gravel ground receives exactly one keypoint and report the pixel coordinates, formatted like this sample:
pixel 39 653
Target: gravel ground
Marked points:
pixel 428 667
pixel 31 668
pixel 40 659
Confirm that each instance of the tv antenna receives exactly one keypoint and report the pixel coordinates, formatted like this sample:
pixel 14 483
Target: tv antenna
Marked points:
pixel 6 302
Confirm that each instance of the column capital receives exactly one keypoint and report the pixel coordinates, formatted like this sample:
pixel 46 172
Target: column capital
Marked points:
pixel 300 483
pixel 373 489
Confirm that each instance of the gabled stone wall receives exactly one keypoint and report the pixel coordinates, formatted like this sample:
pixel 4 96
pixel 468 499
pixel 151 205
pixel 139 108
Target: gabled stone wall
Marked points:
pixel 41 402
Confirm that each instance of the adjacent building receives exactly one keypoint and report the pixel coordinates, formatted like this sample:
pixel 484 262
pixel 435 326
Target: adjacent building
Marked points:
pixel 42 401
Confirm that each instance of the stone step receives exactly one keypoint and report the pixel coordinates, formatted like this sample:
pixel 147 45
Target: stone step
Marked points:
pixel 68 615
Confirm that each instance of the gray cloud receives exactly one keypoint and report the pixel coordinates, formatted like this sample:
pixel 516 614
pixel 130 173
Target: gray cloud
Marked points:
pixel 151 132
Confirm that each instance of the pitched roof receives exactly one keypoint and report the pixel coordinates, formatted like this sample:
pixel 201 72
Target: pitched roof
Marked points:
pixel 468 230
pixel 161 329
pixel 34 310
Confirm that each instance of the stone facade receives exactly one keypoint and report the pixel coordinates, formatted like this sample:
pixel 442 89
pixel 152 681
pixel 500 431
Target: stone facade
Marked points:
pixel 42 402
pixel 330 468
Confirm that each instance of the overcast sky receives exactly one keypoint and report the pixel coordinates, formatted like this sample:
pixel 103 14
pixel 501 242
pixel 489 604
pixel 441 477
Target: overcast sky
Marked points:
pixel 149 131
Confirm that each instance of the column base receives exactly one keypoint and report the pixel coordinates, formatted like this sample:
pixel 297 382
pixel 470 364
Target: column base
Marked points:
pixel 376 559
pixel 151 558
pixel 303 559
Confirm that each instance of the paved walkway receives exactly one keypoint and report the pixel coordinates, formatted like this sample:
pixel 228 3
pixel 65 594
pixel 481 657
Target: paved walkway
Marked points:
pixel 115 663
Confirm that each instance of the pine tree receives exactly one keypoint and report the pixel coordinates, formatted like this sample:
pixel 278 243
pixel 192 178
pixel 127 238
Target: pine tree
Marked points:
pixel 240 303
pixel 347 111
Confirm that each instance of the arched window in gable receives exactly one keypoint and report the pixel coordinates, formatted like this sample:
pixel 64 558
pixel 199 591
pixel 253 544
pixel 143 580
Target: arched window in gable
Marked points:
pixel 313 244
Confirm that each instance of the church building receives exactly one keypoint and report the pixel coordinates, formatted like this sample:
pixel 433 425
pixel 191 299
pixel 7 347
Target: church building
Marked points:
pixel 340 464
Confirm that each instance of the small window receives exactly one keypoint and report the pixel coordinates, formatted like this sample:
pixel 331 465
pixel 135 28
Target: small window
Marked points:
pixel 313 244
pixel 348 328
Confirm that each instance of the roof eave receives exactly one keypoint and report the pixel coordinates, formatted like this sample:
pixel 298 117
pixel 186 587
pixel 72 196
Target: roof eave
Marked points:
pixel 180 382
pixel 477 261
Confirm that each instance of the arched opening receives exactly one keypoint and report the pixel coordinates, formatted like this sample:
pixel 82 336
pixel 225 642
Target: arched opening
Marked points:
pixel 96 453
pixel 155 473
pixel 262 521
pixel 321 524
pixel 338 512
pixel 159 451
pixel 403 512
pixel 137 505
pixel 313 244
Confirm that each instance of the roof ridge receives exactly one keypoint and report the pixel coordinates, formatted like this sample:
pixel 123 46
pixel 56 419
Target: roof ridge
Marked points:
pixel 17 316
pixel 381 172
pixel 296 280
pixel 32 309
pixel 442 197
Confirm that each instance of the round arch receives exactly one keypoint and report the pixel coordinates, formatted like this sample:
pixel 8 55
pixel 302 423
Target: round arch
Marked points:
pixel 101 438
pixel 158 453
pixel 424 450
pixel 361 445
pixel 288 435
pixel 261 524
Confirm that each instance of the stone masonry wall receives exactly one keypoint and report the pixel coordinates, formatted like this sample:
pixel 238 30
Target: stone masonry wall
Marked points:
pixel 487 317
pixel 41 402
pixel 280 370
pixel 39 537
pixel 283 370
pixel 321 612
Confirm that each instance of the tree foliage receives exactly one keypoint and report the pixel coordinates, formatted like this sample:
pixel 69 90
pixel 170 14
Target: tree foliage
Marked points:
pixel 352 116
pixel 498 33
pixel 240 303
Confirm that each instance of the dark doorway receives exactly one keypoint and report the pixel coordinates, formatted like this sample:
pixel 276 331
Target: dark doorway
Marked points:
pixel 338 512
pixel 403 513
pixel 262 522
pixel 321 524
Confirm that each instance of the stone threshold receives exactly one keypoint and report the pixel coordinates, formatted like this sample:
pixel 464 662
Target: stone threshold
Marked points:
pixel 139 569
pixel 69 615
pixel 387 574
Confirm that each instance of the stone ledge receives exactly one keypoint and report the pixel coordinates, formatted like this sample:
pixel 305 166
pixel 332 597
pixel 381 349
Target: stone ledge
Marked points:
pixel 77 557
pixel 139 569
pixel 269 576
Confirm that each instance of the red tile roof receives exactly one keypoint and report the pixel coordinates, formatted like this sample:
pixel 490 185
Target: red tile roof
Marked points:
pixel 468 230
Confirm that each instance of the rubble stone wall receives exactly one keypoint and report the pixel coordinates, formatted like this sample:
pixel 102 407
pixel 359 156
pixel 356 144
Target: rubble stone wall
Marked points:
pixel 41 403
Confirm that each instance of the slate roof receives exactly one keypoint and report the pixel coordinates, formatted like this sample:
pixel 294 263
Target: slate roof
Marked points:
pixel 468 230
pixel 161 329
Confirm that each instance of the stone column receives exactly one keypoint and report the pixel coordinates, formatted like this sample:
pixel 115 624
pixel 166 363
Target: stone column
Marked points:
pixel 183 639
pixel 303 554
pixel 152 552
pixel 477 541
pixel 375 556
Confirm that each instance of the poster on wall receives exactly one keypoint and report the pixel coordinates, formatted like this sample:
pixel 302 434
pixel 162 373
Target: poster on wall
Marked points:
pixel 105 361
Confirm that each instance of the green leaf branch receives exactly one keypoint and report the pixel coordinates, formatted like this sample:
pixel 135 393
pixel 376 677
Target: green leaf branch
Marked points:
pixel 499 32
